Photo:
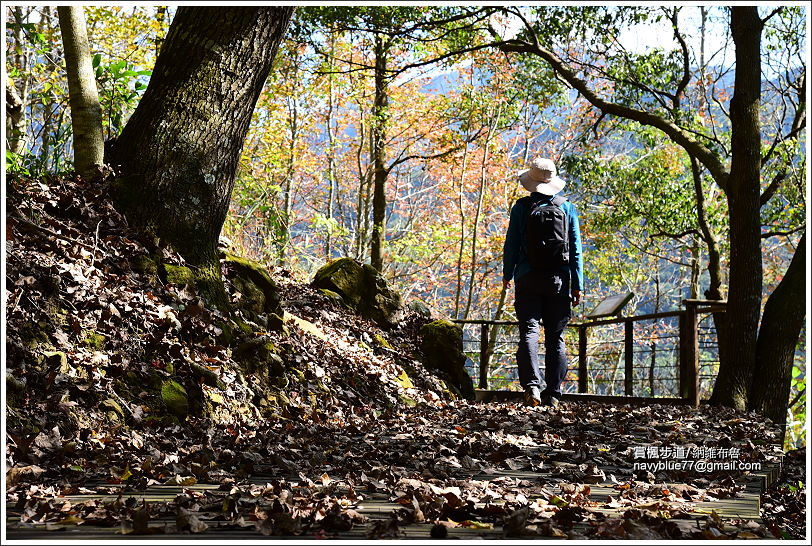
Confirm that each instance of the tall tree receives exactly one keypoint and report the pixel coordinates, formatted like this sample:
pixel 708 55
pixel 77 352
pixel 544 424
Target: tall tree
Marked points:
pixel 179 151
pixel 88 144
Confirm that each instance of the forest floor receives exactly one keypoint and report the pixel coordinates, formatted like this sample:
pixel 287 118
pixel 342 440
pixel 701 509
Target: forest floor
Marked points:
pixel 352 446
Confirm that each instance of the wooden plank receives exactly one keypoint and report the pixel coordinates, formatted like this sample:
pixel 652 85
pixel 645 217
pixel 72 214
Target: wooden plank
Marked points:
pixel 746 505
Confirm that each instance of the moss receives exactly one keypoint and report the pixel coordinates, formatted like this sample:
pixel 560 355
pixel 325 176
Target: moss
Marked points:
pixel 344 277
pixel 15 390
pixel 441 345
pixel 404 380
pixel 146 265
pixel 34 338
pixel 175 399
pixel 55 359
pixel 244 327
pixel 226 335
pixel 178 274
pixel 256 284
pixel 335 297
pixel 209 282
pixel 276 323
pixel 94 340
pixel 251 297
pixel 382 342
pixel 362 288
pixel 57 315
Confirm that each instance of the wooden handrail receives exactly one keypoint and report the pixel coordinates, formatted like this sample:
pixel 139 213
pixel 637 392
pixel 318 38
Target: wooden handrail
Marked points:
pixel 688 365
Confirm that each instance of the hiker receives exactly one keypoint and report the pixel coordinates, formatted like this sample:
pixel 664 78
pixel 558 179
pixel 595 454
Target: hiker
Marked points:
pixel 542 253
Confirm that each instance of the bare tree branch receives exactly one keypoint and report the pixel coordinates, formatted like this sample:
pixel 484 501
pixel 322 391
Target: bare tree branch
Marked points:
pixel 686 69
pixel 774 12
pixel 768 234
pixel 708 159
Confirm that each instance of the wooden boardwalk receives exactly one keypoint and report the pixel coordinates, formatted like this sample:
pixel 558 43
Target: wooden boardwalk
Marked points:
pixel 377 507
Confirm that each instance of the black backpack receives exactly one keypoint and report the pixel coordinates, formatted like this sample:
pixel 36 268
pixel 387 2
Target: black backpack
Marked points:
pixel 546 234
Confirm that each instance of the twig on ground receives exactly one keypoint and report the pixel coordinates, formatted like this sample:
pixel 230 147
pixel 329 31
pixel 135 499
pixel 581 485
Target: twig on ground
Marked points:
pixel 31 225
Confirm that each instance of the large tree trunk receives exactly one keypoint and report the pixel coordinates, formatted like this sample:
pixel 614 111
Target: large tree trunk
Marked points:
pixel 179 152
pixel 378 149
pixel 88 143
pixel 743 193
pixel 778 338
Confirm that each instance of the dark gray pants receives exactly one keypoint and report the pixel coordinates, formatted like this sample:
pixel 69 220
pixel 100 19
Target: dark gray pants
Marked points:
pixel 542 298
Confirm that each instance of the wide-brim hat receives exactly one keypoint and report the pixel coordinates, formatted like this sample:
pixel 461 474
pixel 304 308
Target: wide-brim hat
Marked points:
pixel 541 177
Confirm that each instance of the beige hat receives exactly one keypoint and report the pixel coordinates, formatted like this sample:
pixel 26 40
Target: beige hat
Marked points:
pixel 541 177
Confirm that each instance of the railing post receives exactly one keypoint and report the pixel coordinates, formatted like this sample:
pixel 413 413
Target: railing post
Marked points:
pixel 629 358
pixel 689 380
pixel 483 356
pixel 682 369
pixel 582 359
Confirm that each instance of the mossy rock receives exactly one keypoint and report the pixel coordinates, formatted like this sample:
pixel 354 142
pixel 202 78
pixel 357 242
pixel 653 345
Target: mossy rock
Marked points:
pixel 362 289
pixel 175 399
pixel 178 274
pixel 335 297
pixel 276 323
pixel 259 357
pixel 441 345
pixel 260 294
pixel 422 309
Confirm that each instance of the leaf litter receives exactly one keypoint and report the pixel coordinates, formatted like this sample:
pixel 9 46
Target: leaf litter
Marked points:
pixel 89 336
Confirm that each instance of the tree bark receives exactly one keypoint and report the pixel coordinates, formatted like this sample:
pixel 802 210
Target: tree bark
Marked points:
pixel 88 142
pixel 378 150
pixel 15 120
pixel 781 326
pixel 179 152
pixel 743 193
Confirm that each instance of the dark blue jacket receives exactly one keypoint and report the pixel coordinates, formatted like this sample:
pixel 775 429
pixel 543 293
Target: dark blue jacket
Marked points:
pixel 515 257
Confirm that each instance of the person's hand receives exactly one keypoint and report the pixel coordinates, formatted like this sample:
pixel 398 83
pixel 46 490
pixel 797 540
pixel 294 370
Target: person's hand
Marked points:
pixel 505 284
pixel 576 297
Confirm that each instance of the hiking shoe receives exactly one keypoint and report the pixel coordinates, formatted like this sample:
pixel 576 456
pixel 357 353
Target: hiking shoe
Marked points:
pixel 532 396
pixel 549 400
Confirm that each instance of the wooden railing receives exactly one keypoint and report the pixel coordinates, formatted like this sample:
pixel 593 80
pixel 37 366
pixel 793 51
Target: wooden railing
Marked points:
pixel 688 361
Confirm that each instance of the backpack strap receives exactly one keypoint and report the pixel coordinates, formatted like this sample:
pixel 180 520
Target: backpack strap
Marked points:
pixel 559 200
